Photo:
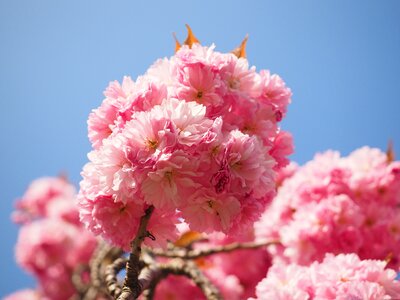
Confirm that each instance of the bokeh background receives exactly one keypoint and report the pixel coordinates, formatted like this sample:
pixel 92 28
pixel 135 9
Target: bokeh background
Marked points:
pixel 341 59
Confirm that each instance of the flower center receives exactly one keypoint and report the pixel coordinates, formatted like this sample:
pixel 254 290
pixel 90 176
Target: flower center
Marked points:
pixel 152 144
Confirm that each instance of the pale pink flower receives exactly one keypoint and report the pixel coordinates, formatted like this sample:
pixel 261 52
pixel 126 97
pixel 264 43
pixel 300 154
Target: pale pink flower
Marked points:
pixel 40 194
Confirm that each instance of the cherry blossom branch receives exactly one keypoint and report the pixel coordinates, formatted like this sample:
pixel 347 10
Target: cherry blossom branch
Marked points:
pixel 104 255
pixel 113 287
pixel 77 281
pixel 178 266
pixel 132 286
pixel 189 269
pixel 196 253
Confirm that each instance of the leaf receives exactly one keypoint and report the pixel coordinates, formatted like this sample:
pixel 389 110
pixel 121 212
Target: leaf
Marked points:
pixel 241 50
pixel 191 39
pixel 177 44
pixel 188 238
pixel 390 155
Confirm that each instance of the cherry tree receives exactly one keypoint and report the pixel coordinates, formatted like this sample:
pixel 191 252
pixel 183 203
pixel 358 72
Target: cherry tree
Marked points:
pixel 189 194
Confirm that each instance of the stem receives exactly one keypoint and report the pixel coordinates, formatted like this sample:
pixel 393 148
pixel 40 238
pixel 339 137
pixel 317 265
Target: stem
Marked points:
pixel 196 253
pixel 153 275
pixel 111 280
pixel 132 286
pixel 189 269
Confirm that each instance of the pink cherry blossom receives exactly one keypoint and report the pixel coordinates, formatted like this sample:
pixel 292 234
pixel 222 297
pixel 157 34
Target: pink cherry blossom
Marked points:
pixel 200 84
pixel 274 92
pixel 210 211
pixel 250 166
pixel 50 249
pixel 172 182
pixel 190 137
pixel 40 195
pixel 336 277
pixel 337 205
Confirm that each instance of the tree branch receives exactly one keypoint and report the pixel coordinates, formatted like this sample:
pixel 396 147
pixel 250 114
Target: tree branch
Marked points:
pixel 132 286
pixel 196 253
pixel 189 269
pixel 111 280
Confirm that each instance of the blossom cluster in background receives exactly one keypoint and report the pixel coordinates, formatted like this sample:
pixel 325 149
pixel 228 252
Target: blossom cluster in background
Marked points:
pixel 196 137
pixel 341 277
pixel 337 205
pixel 52 242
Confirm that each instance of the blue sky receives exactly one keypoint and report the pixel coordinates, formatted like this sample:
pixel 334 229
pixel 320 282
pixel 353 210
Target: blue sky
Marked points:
pixel 340 58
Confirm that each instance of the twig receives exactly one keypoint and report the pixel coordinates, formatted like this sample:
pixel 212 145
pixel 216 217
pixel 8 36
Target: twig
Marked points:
pixel 189 269
pixel 77 281
pixel 132 286
pixel 196 253
pixel 177 266
pixel 111 279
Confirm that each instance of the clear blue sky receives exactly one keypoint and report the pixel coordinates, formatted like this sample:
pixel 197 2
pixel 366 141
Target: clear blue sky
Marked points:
pixel 341 58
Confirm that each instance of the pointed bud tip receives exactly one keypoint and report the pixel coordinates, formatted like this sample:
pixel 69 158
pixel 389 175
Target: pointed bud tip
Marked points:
pixel 390 155
pixel 191 39
pixel 241 50
pixel 177 44
pixel 188 238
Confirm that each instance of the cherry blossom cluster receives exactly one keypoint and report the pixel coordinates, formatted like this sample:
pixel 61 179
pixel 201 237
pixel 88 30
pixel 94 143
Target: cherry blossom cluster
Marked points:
pixel 52 242
pixel 336 205
pixel 196 137
pixel 341 277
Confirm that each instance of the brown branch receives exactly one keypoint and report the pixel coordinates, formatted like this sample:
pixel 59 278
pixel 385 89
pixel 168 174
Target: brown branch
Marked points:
pixel 196 253
pixel 102 256
pixel 157 272
pixel 132 286
pixel 111 280
pixel 189 269
pixel 77 281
